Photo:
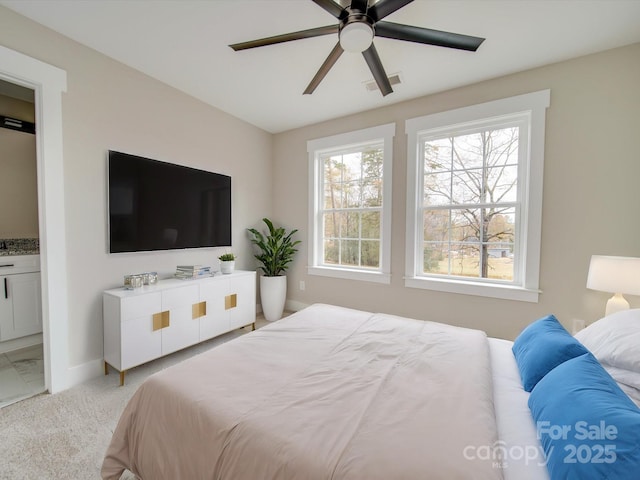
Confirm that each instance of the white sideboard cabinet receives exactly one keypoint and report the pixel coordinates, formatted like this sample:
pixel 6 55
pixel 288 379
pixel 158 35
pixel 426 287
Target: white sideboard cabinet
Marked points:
pixel 146 323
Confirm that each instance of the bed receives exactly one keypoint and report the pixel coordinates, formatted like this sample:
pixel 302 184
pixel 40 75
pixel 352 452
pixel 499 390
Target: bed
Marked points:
pixel 335 393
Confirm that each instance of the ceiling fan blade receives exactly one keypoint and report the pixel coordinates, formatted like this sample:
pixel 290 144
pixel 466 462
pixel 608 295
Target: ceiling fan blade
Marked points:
pixel 330 6
pixel 383 8
pixel 324 69
pixel 360 5
pixel 287 37
pixel 375 65
pixel 428 36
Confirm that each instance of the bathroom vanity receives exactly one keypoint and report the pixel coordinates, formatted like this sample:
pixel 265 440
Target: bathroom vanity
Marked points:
pixel 20 296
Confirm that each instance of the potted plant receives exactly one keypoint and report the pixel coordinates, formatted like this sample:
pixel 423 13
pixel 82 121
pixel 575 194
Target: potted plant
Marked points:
pixel 277 249
pixel 227 262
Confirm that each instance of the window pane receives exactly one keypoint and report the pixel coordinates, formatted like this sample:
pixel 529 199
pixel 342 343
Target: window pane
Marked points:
pixel 334 168
pixel 372 161
pixel 500 226
pixel 501 147
pixel 436 258
pixel 371 225
pixel 465 259
pixel 349 253
pixel 437 155
pixel 493 258
pixel 465 225
pixel 352 165
pixel 331 252
pixel 499 236
pixel 371 253
pixel 351 226
pixel 351 194
pixel 467 186
pixel 332 223
pixel 332 195
pixel 436 225
pixel 372 192
pixel 499 262
pixel 437 189
pixel 468 151
pixel 502 184
pixel 332 184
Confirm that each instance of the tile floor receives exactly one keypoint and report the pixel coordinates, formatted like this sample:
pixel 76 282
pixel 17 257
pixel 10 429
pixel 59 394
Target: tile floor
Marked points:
pixel 21 374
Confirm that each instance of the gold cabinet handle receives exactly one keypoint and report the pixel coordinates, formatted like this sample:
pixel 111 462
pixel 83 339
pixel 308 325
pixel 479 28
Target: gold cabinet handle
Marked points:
pixel 230 301
pixel 198 310
pixel 161 320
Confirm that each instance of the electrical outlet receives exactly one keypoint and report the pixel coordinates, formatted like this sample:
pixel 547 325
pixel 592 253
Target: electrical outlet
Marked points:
pixel 301 285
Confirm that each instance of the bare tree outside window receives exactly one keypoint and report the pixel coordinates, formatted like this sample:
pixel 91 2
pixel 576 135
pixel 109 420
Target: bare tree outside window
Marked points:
pixel 470 204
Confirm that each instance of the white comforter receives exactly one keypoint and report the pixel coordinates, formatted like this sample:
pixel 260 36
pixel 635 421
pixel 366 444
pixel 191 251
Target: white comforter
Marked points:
pixel 328 393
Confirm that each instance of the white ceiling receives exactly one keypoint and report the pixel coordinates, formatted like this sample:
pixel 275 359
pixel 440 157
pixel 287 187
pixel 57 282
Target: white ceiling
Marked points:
pixel 184 44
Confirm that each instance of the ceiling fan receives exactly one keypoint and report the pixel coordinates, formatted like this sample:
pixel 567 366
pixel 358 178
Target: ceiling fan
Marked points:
pixel 358 24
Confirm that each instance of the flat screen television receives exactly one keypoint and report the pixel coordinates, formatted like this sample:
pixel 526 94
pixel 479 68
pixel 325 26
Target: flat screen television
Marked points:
pixel 155 205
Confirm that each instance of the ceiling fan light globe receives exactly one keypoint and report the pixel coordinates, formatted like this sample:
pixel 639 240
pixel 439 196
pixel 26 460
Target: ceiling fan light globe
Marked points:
pixel 356 37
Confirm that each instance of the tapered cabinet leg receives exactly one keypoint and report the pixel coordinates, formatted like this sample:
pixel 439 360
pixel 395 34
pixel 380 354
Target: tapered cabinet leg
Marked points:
pixel 106 368
pixel 122 378
pixel 253 326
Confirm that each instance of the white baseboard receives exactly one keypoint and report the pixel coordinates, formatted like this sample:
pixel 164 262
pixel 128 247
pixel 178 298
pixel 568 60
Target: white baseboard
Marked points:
pixel 82 373
pixel 294 306
pixel 290 305
pixel 22 342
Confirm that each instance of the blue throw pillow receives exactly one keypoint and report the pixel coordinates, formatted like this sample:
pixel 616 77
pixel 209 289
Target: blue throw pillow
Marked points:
pixel 588 427
pixel 541 347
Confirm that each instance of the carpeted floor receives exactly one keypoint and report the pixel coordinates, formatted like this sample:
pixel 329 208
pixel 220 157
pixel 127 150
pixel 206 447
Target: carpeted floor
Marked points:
pixel 65 436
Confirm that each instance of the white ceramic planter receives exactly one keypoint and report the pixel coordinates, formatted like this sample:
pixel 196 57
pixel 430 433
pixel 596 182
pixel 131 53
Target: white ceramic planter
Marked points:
pixel 273 294
pixel 227 266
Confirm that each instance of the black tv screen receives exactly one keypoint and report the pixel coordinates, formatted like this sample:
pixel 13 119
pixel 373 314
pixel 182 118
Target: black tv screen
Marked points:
pixel 156 205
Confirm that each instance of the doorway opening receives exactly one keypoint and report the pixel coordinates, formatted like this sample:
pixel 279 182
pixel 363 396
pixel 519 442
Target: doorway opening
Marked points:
pixel 47 83
pixel 21 346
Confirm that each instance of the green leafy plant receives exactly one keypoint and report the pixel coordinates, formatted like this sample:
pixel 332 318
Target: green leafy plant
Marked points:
pixel 227 257
pixel 277 248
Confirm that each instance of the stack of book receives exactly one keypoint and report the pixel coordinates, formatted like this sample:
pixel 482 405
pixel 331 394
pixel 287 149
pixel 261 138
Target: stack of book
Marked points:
pixel 192 271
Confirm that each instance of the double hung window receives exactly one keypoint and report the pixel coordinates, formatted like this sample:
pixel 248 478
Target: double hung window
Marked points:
pixel 350 204
pixel 475 198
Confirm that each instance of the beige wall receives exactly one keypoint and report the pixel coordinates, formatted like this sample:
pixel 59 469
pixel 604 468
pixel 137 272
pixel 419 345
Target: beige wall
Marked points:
pixel 18 181
pixel 110 106
pixel 591 200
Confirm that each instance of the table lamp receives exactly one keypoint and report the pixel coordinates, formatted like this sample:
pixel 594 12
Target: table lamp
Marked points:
pixel 617 275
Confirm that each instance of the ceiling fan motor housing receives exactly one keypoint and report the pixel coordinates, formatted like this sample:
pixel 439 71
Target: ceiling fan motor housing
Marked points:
pixel 356 31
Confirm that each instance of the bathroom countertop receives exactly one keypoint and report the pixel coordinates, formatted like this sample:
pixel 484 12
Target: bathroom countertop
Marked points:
pixel 13 253
pixel 10 247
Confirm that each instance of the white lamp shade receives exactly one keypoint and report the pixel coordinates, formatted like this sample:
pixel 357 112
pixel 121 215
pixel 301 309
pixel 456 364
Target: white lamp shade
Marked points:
pixel 356 37
pixel 614 274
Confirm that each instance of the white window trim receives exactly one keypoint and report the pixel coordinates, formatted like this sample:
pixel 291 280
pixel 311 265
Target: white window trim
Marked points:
pixel 535 104
pixel 384 133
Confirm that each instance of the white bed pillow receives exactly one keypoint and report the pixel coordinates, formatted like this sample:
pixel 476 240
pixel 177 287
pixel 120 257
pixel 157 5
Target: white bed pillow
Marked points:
pixel 627 380
pixel 624 376
pixel 615 340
